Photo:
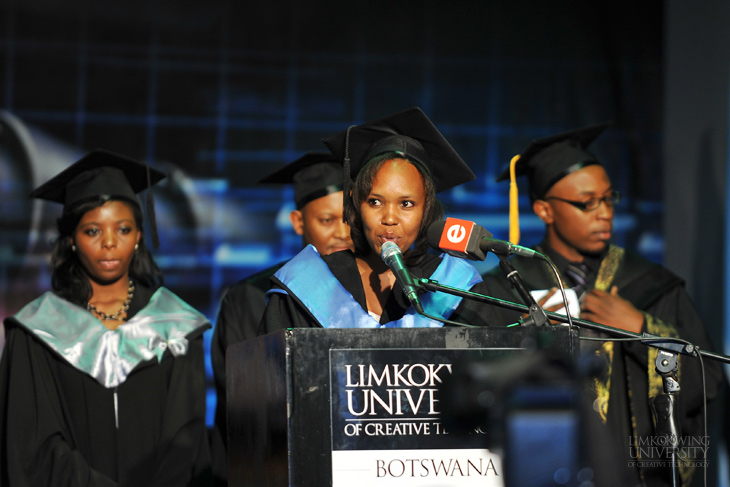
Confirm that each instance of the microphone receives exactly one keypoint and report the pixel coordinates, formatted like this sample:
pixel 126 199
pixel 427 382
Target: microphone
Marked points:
pixel 393 258
pixel 466 239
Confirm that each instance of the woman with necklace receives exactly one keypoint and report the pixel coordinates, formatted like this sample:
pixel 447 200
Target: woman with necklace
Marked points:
pixel 102 381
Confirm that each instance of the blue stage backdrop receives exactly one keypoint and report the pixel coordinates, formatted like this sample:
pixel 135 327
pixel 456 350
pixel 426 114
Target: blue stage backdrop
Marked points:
pixel 219 94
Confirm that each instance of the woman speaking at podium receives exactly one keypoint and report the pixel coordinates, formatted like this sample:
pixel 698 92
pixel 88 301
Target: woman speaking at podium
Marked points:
pixel 392 170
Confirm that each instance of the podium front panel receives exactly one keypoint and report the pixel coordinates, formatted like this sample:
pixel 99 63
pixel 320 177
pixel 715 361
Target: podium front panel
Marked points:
pixel 360 406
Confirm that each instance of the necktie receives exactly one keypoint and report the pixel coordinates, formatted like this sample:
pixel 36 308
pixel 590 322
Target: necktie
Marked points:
pixel 578 273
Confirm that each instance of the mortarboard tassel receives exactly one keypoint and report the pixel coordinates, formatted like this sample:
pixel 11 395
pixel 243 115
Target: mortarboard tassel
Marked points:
pixel 347 182
pixel 514 209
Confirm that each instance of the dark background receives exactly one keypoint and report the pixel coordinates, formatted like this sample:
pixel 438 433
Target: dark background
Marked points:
pixel 220 93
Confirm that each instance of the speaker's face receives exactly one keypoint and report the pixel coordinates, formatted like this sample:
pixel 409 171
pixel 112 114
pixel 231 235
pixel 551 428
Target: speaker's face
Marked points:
pixel 393 210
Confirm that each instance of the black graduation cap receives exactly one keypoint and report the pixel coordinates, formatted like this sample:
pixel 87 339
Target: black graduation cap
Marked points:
pixel 548 160
pixel 314 175
pixel 408 133
pixel 98 173
pixel 545 162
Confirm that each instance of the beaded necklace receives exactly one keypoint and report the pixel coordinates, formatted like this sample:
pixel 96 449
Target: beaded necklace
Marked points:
pixel 116 316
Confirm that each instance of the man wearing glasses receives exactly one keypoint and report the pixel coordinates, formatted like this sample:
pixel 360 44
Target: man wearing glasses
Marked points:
pixel 572 194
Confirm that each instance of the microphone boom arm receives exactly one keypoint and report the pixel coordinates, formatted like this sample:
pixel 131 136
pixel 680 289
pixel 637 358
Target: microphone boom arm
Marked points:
pixel 676 345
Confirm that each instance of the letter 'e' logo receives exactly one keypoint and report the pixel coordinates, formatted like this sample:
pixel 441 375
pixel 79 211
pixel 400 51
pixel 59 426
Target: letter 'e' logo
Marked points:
pixel 456 233
pixel 455 236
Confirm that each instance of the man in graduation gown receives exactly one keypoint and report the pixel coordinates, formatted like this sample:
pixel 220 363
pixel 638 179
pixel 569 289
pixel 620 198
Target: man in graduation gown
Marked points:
pixel 572 194
pixel 317 180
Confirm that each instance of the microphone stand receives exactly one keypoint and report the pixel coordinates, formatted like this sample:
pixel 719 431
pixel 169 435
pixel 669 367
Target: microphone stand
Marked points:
pixel 663 408
pixel 537 314
pixel 664 405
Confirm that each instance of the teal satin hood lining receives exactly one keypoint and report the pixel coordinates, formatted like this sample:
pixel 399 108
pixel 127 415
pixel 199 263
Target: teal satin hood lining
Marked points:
pixel 309 278
pixel 109 356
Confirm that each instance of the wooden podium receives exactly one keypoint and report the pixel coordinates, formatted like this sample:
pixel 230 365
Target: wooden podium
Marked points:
pixel 320 407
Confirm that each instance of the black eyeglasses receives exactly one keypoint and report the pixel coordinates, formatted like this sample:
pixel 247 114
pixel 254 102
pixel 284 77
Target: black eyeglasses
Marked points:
pixel 612 198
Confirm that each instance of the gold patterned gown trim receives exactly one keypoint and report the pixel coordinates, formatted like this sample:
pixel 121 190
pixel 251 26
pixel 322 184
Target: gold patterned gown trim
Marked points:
pixel 602 385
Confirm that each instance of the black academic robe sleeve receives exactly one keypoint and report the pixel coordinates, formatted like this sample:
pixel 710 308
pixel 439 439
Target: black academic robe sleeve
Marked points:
pixel 57 424
pixel 238 319
pixel 285 311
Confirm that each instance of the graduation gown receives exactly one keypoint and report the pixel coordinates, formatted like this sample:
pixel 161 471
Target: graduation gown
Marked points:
pixel 622 393
pixel 82 405
pixel 285 308
pixel 239 316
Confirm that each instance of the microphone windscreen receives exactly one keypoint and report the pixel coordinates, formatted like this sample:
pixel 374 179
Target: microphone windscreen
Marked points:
pixel 388 250
pixel 434 233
